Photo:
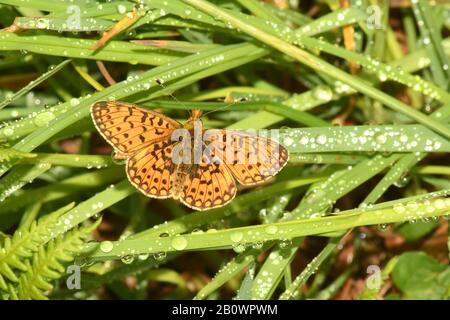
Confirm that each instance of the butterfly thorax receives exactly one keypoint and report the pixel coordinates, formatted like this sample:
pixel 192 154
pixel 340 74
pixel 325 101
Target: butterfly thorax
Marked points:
pixel 194 148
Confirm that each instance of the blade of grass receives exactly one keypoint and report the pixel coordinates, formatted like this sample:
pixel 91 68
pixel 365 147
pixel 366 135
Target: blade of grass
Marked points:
pixel 321 66
pixel 431 37
pixel 63 188
pixel 34 83
pixel 224 239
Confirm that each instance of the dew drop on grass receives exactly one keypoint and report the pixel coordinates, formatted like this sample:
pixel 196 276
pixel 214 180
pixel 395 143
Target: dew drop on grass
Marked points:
pixel 402 181
pixel 439 204
pixel 399 208
pixel 143 256
pixel 403 138
pixel 429 208
pixel 160 256
pixel 116 159
pixel 197 231
pixel 262 214
pixel 179 243
pixel 106 246
pixel 236 236
pixel 127 259
pixel 323 93
pixel 7 132
pixel 271 229
pixel 287 141
pixel 382 76
pixel 321 139
pixel 238 248
pixel 412 206
pixel 381 138
pixel 258 245
pixel 284 243
pixel 42 23
pixel 43 118
pixel 121 9
pixel 74 102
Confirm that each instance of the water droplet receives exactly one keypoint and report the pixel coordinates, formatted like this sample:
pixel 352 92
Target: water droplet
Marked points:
pixel 402 181
pixel 304 140
pixel 8 132
pixel 121 9
pixel 412 206
pixel 399 208
pixel 236 236
pixel 439 204
pixel 238 248
pixel 322 139
pixel 323 93
pixel 403 138
pixel 43 118
pixel 143 256
pixel 271 229
pixel 74 102
pixel 288 141
pixel 382 76
pixel 381 138
pixel 106 246
pixel 127 259
pixel 258 245
pixel 179 243
pixel 160 256
pixel 115 156
pixel 285 243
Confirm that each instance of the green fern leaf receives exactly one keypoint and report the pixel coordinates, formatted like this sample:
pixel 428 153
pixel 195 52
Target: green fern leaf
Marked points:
pixel 23 243
pixel 48 263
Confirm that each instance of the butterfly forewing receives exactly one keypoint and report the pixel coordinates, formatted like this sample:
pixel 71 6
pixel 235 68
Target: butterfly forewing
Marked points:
pixel 129 128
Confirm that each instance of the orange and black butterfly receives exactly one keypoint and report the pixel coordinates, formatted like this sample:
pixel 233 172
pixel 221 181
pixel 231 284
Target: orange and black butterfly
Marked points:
pixel 146 140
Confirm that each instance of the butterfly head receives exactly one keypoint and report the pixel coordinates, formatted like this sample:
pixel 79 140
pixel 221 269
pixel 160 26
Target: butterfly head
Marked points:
pixel 196 116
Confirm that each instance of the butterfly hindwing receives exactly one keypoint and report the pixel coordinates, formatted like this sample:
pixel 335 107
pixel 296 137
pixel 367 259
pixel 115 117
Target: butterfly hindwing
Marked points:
pixel 129 128
pixel 207 186
pixel 151 169
pixel 251 159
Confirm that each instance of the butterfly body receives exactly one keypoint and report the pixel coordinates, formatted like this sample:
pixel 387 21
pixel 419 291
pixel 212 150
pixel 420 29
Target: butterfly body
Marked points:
pixel 198 167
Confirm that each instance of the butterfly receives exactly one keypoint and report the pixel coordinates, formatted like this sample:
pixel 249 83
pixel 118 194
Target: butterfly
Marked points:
pixel 161 166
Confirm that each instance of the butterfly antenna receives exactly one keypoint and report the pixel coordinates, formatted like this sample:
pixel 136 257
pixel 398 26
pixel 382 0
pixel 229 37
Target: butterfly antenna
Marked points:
pixel 160 83
pixel 228 105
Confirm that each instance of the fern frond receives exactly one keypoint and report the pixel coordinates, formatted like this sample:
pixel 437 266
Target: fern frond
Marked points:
pixel 48 263
pixel 23 243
